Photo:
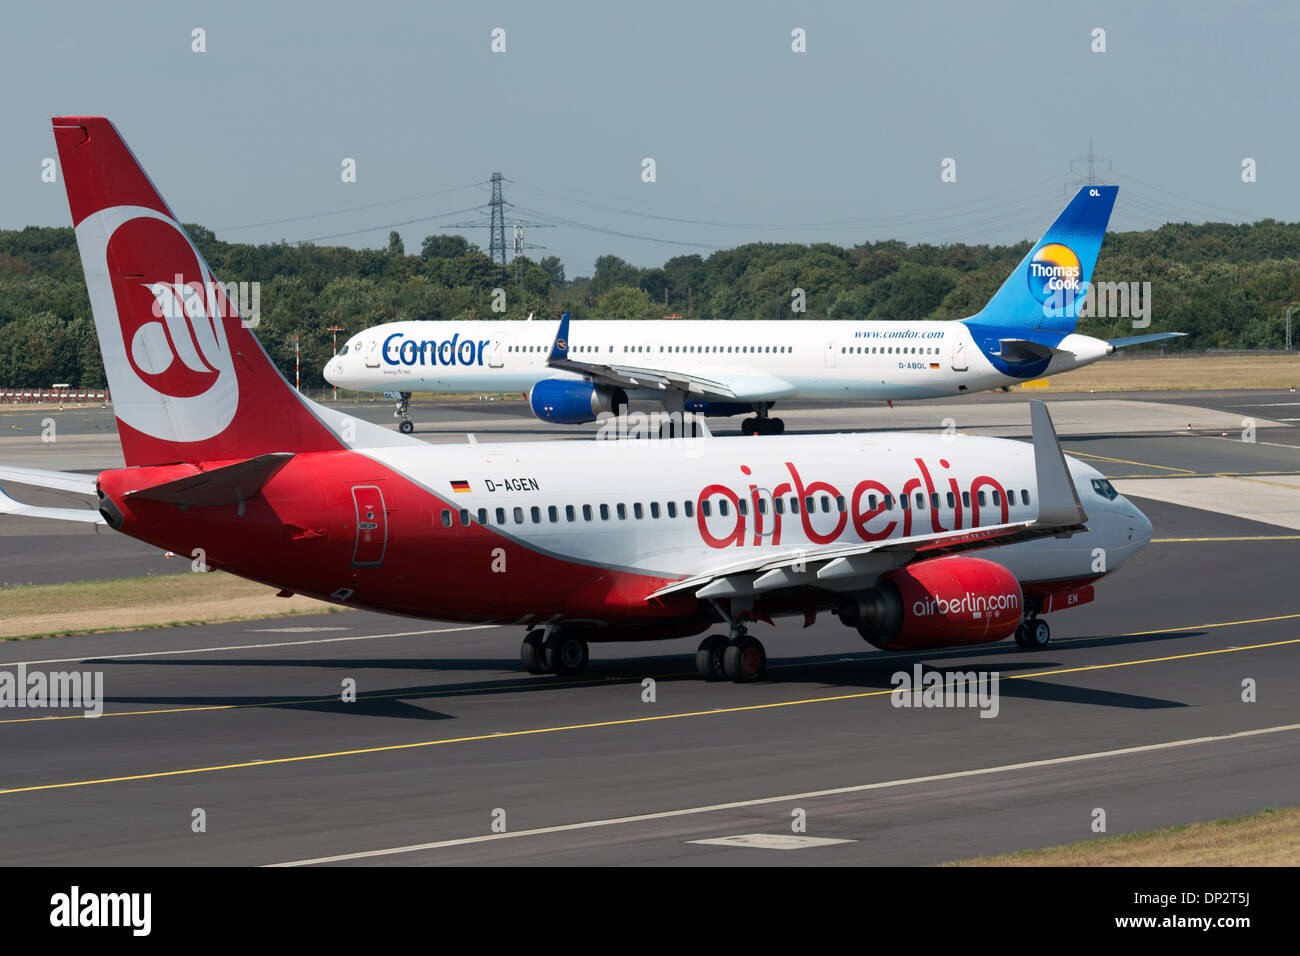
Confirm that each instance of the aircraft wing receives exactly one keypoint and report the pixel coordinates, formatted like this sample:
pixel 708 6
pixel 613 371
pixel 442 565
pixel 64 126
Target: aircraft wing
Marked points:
pixel 745 386
pixel 1060 513
pixel 57 480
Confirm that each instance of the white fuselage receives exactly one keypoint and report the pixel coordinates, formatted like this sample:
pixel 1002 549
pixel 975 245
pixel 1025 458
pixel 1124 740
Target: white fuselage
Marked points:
pixel 638 505
pixel 765 360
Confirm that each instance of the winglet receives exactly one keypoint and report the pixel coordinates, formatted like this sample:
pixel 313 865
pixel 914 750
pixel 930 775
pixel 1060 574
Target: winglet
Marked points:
pixel 560 348
pixel 1058 500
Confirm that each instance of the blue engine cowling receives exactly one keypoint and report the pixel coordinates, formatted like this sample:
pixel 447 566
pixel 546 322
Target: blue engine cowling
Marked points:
pixel 720 409
pixel 563 402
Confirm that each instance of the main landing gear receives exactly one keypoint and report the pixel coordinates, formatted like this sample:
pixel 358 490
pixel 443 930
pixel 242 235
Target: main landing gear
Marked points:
pixel 761 424
pixel 404 423
pixel 1033 633
pixel 561 652
pixel 737 657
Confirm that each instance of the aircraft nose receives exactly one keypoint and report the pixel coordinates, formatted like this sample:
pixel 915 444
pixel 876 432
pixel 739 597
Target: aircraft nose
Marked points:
pixel 1139 528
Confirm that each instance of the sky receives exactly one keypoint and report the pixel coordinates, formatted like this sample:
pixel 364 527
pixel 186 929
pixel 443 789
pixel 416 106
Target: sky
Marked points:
pixel 751 141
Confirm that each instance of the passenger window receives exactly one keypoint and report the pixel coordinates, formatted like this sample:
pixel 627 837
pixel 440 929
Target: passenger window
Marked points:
pixel 637 512
pixel 569 513
pixel 778 505
pixel 997 498
pixel 809 504
pixel 889 502
pixel 553 513
pixel 672 509
pixel 482 516
pixel 906 502
pixel 965 499
pixel 934 500
pixel 501 516
pixel 586 512
pixel 920 501
pixel 762 506
pixel 1024 496
pixel 794 506
pixel 722 507
pixel 952 500
pixel 688 509
pixel 604 512
pixel 705 508
pixel 622 511
pixel 742 506
pixel 446 518
pixel 839 503
pixel 464 517
pixel 654 509
pixel 981 498
pixel 826 504
pixel 871 502
pixel 536 512
pixel 519 516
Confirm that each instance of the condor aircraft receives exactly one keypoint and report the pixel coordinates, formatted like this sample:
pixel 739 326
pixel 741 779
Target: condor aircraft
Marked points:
pixel 913 541
pixel 723 368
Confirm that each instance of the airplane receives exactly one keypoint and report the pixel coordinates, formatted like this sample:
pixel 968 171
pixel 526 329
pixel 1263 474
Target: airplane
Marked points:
pixel 726 368
pixel 914 541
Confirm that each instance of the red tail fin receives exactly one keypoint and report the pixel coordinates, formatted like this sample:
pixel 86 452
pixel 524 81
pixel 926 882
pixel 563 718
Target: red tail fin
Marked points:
pixel 190 381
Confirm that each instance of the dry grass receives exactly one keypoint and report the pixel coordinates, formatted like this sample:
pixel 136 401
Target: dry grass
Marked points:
pixel 49 610
pixel 1268 838
pixel 1200 372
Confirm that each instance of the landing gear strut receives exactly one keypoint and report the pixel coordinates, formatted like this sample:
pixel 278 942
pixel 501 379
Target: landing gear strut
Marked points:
pixel 762 425
pixel 404 423
pixel 1033 633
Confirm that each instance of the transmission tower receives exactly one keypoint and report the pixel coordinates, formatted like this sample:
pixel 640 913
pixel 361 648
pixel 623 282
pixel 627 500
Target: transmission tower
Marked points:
pixel 1094 163
pixel 496 223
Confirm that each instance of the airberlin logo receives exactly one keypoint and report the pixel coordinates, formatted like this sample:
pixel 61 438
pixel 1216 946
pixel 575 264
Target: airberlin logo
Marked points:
pixel 160 318
pixel 1054 269
pixel 975 605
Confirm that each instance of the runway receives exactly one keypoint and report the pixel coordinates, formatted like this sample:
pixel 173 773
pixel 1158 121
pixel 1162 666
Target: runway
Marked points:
pixel 1135 708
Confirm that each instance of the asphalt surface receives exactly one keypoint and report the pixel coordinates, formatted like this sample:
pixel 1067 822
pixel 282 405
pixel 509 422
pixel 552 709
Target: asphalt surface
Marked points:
pixel 447 736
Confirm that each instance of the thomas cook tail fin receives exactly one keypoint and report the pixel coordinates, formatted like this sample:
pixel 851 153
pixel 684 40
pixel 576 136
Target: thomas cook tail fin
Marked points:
pixel 1046 290
pixel 190 381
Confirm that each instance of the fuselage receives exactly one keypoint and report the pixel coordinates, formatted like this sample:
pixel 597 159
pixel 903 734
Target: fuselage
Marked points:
pixel 804 359
pixel 585 531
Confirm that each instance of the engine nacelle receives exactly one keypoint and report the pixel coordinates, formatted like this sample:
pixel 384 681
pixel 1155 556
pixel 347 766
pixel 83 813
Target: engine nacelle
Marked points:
pixel 944 602
pixel 563 402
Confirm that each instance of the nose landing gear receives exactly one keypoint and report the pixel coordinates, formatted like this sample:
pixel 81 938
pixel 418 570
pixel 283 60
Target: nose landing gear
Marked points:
pixel 404 424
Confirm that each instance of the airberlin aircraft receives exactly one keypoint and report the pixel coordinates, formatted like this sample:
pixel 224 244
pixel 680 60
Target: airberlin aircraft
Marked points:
pixel 722 368
pixel 914 541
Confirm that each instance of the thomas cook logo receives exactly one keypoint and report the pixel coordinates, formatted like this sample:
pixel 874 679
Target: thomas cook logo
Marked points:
pixel 1055 270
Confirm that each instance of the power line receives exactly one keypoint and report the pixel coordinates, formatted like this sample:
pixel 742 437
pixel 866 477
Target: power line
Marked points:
pixel 391 225
pixel 339 212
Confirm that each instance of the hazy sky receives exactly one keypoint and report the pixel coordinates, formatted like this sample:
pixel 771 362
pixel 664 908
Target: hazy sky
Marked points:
pixel 751 141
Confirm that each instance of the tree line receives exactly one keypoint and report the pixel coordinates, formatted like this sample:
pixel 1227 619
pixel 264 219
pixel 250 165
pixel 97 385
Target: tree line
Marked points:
pixel 1226 285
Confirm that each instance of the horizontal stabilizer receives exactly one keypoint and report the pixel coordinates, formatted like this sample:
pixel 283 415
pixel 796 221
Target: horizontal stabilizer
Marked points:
pixel 11 507
pixel 228 485
pixel 1143 339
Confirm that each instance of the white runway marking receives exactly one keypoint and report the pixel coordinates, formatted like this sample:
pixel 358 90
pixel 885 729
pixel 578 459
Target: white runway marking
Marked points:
pixel 811 795
pixel 249 647
pixel 771 841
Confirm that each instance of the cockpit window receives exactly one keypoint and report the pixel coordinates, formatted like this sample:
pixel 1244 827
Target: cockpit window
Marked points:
pixel 343 351
pixel 1104 488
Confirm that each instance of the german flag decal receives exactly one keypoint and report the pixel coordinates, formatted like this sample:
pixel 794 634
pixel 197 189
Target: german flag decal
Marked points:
pixel 934 365
pixel 460 487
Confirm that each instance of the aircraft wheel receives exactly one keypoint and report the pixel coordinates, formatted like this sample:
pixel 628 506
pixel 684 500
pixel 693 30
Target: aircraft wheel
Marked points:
pixel 1022 639
pixel 749 427
pixel 778 426
pixel 1037 634
pixel 744 660
pixel 530 652
pixel 406 427
pixel 565 654
pixel 709 658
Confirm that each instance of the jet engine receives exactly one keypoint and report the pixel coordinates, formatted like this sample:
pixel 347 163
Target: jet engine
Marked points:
pixel 943 602
pixel 564 402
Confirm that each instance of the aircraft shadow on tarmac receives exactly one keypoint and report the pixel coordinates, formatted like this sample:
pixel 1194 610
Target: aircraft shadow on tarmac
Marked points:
pixel 837 672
